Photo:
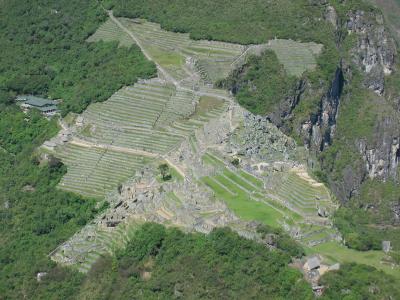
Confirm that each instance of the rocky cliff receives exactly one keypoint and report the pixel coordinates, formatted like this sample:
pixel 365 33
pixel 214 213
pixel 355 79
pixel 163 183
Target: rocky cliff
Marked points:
pixel 371 57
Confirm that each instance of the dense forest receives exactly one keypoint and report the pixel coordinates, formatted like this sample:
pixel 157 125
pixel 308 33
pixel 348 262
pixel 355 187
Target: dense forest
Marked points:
pixel 160 263
pixel 34 216
pixel 261 84
pixel 43 52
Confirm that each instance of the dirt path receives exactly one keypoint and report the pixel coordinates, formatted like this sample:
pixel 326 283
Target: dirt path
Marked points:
pixel 177 168
pixel 86 144
pixel 167 76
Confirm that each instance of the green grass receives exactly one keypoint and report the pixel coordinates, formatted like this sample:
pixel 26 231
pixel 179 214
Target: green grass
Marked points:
pixel 110 32
pixel 192 142
pixel 175 174
pixel 296 57
pixel 165 58
pixel 86 131
pixel 242 205
pixel 174 198
pixel 212 160
pixel 257 182
pixel 335 252
pixel 207 104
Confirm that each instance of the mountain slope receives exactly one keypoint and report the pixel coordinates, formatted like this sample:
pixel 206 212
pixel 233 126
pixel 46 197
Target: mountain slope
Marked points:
pixel 345 111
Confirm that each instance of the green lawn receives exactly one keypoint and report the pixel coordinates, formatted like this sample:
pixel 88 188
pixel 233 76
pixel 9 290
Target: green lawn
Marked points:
pixel 335 252
pixel 239 180
pixel 242 205
pixel 257 182
pixel 165 58
pixel 211 160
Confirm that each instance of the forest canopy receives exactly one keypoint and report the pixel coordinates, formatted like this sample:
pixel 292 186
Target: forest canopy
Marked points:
pixel 44 52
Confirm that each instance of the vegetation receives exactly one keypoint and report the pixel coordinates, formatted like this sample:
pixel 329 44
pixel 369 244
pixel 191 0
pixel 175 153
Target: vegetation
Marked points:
pixel 253 22
pixel 34 216
pixel 368 219
pixel 44 52
pixel 354 281
pixel 261 84
pixel 165 172
pixel 161 263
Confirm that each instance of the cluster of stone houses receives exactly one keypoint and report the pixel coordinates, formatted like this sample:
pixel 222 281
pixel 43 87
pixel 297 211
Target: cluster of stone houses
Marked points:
pixel 47 107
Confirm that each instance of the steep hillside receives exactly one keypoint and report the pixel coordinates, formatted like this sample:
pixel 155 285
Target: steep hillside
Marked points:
pixel 168 145
pixel 391 10
pixel 51 58
pixel 345 111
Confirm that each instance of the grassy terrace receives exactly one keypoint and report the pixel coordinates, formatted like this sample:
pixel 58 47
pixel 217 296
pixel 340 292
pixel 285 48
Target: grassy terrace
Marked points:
pixel 135 117
pixel 301 195
pixel 213 59
pixel 245 195
pixel 296 57
pixel 101 241
pixel 110 32
pixel 241 202
pixel 94 172
pixel 142 117
pixel 334 252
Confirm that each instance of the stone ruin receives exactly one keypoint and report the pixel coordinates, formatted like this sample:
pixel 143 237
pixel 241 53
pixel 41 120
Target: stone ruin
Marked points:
pixel 183 204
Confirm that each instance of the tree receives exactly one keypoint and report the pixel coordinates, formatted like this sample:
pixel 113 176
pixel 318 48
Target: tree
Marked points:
pixel 165 172
pixel 236 162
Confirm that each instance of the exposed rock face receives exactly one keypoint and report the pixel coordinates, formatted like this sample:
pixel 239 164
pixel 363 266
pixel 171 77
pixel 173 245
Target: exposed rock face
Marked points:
pixel 331 16
pixel 319 130
pixel 375 51
pixel 285 108
pixel 382 155
pixel 374 54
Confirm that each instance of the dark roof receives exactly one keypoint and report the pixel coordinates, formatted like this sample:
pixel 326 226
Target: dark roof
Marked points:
pixel 35 101
pixel 21 98
pixel 47 108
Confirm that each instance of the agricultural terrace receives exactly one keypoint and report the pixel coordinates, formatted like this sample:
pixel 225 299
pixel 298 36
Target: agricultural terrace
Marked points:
pixel 87 245
pixel 213 60
pixel 95 172
pixel 110 32
pixel 180 56
pixel 302 195
pixel 296 57
pixel 143 117
pixel 246 195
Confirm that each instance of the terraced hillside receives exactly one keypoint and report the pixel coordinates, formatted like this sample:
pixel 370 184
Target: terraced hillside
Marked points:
pixel 296 57
pixel 91 242
pixel 295 203
pixel 94 172
pixel 136 117
pixel 109 32
pixel 147 122
pixel 118 137
pixel 302 195
pixel 213 60
pixel 181 57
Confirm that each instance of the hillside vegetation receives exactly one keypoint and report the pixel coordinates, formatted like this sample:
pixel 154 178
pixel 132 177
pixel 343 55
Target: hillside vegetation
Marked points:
pixel 250 22
pixel 48 48
pixel 34 215
pixel 260 83
pixel 44 52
